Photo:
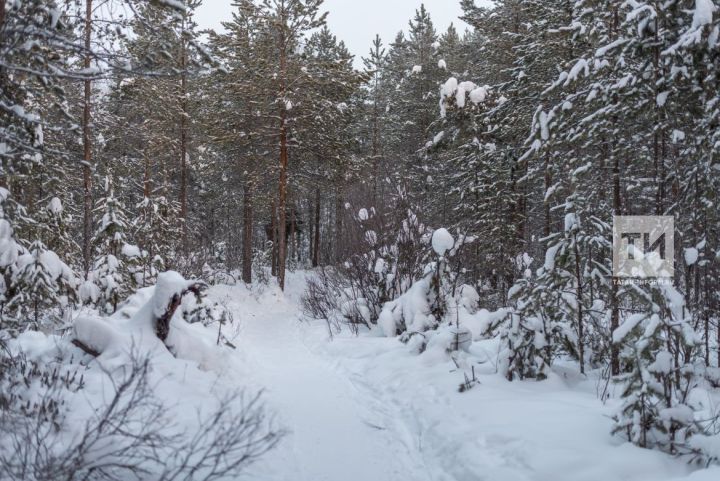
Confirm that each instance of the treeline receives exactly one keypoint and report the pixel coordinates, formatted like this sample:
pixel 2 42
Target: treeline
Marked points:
pixel 133 143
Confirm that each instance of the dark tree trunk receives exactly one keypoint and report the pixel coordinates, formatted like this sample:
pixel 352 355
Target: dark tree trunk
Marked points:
pixel 183 141
pixel 282 204
pixel 293 232
pixel 274 238
pixel 316 237
pixel 546 202
pixel 2 13
pixel 581 326
pixel 338 226
pixel 87 146
pixel 614 294
pixel 282 194
pixel 247 233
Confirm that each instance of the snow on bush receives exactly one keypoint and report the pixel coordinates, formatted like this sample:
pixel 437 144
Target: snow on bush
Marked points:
pixel 442 241
pixel 35 284
pixel 355 292
pixel 409 312
pixel 138 324
pixel 124 403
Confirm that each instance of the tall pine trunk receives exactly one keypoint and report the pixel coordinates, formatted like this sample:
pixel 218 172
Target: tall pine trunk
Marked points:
pixel 579 295
pixel 338 226
pixel 316 237
pixel 614 294
pixel 87 145
pixel 546 201
pixel 147 192
pixel 274 238
pixel 282 188
pixel 247 233
pixel 183 140
pixel 617 210
pixel 282 201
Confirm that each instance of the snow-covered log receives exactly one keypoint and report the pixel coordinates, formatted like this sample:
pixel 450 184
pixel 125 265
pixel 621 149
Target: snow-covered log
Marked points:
pixel 97 335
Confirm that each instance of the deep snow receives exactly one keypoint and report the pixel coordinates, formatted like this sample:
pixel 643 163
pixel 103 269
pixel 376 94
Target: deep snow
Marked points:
pixel 366 408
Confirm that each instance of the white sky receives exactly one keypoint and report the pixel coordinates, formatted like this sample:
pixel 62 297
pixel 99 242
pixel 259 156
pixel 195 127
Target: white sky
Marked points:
pixel 357 21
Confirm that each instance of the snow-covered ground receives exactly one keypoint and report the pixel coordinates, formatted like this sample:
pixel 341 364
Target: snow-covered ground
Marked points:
pixel 365 408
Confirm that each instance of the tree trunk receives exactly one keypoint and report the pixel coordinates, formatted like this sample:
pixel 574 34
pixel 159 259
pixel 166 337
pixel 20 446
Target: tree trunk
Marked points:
pixel 282 201
pixel 147 192
pixel 282 194
pixel 376 140
pixel 273 238
pixel 247 233
pixel 87 146
pixel 338 226
pixel 2 13
pixel 316 237
pixel 183 140
pixel 614 294
pixel 147 189
pixel 546 201
pixel 581 327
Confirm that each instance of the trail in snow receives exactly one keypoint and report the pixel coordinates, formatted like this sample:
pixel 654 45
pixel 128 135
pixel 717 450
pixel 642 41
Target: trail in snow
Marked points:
pixel 336 431
pixel 367 409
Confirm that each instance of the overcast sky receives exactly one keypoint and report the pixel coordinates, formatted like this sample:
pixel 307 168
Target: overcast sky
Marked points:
pixel 357 21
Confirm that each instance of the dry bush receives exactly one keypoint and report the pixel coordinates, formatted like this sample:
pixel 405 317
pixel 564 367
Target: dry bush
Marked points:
pixel 131 437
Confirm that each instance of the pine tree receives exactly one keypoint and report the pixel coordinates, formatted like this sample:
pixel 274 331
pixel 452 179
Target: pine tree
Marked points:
pixel 283 91
pixel 658 346
pixel 28 74
pixel 40 281
pixel 112 270
pixel 10 249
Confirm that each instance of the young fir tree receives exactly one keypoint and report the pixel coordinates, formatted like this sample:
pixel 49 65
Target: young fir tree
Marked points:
pixel 55 224
pixel 10 249
pixel 373 122
pixel 659 347
pixel 40 281
pixel 327 153
pixel 112 268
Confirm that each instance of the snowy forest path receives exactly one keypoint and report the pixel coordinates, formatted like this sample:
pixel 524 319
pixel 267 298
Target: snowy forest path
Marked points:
pixel 337 429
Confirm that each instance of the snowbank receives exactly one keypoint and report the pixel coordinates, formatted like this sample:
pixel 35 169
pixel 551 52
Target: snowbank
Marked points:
pixel 137 327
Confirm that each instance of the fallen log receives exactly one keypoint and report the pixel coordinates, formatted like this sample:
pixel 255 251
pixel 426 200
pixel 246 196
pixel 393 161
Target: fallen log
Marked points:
pixel 94 335
pixel 162 323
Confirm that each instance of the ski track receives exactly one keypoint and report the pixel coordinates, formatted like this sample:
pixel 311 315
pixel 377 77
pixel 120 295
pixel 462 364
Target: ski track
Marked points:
pixel 338 430
pixel 361 409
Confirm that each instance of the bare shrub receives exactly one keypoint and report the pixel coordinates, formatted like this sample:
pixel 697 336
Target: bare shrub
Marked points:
pixel 132 436
pixel 322 297
pixel 389 260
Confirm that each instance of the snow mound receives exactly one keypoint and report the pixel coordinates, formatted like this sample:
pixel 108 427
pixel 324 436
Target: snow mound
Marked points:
pixel 411 311
pixel 138 326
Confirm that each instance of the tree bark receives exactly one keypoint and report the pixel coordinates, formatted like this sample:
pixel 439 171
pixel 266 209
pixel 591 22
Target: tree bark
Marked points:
pixel 282 201
pixel 282 187
pixel 247 233
pixel 614 294
pixel 338 226
pixel 2 16
pixel 581 326
pixel 546 202
pixel 87 145
pixel 183 139
pixel 316 237
pixel 273 237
